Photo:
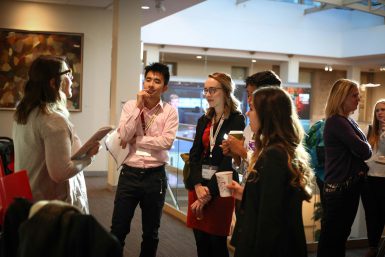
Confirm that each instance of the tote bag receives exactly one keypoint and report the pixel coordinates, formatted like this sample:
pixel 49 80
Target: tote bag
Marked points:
pixel 12 186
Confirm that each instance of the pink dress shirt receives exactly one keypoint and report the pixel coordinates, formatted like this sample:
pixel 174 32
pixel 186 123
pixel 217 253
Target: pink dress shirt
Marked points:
pixel 159 136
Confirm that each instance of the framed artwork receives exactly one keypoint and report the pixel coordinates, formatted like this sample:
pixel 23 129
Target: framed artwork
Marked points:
pixel 18 48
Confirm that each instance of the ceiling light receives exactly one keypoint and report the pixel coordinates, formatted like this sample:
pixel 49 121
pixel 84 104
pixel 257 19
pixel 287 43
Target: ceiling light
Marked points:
pixel 199 56
pixel 145 7
pixel 371 85
pixel 328 68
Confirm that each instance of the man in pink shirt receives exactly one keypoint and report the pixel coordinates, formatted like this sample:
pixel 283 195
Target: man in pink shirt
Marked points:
pixel 148 127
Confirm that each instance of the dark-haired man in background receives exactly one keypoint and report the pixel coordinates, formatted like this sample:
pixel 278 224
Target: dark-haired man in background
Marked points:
pixel 241 150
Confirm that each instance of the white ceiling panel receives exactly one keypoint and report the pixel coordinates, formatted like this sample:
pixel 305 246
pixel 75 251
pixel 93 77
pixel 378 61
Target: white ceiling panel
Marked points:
pixel 158 8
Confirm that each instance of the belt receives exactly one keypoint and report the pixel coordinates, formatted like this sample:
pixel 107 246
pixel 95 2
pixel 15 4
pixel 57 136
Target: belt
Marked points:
pixel 345 185
pixel 143 170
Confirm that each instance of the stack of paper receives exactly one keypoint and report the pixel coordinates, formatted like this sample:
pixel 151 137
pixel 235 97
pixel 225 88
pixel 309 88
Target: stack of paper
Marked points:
pixel 112 143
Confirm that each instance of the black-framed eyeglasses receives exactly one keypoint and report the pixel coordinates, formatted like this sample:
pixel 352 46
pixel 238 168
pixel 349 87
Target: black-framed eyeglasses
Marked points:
pixel 210 90
pixel 67 72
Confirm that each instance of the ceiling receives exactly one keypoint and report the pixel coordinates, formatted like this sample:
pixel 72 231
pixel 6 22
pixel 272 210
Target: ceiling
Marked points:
pixel 366 63
pixel 376 7
pixel 158 8
pixel 163 8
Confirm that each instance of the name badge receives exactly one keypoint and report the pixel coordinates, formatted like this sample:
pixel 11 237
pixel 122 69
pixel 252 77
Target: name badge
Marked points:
pixel 208 171
pixel 143 152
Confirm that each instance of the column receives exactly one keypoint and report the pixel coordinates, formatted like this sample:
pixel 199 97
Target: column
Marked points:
pixel 126 65
pixel 359 225
pixel 354 73
pixel 289 71
pixel 152 54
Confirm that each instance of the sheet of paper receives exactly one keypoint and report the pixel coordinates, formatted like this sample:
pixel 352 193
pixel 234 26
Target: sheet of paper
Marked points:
pixel 112 143
pixel 96 137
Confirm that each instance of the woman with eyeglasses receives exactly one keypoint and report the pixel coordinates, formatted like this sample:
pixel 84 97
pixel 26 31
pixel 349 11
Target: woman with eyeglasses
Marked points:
pixel 210 215
pixel 44 138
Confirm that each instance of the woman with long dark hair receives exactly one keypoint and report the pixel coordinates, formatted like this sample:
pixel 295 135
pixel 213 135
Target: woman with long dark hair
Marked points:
pixel 44 137
pixel 269 221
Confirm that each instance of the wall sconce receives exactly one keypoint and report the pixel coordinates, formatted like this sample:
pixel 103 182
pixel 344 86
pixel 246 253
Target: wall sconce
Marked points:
pixel 328 68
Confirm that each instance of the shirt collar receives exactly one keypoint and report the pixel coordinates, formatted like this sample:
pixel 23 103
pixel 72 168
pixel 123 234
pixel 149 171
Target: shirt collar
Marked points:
pixel 160 103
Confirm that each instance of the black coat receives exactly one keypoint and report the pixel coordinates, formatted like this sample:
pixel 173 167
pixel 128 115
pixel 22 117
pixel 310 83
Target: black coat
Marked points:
pixel 269 222
pixel 236 121
pixel 62 231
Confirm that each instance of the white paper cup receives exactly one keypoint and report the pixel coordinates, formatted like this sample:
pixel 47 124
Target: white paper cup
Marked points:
pixel 237 134
pixel 224 178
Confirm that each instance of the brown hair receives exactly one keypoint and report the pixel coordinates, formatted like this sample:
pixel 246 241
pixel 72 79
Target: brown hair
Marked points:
pixel 375 131
pixel 280 126
pixel 38 91
pixel 228 86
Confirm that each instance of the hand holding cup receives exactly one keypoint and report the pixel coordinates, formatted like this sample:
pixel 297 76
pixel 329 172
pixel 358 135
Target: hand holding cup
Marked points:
pixel 224 178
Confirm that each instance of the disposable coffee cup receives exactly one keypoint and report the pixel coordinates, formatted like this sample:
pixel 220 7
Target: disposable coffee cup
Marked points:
pixel 237 134
pixel 224 178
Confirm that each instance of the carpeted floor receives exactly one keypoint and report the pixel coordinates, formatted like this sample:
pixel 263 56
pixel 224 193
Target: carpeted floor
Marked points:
pixel 176 240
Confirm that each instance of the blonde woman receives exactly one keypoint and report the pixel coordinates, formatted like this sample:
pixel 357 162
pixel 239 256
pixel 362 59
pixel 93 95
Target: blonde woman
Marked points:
pixel 270 216
pixel 44 137
pixel 346 150
pixel 209 215
pixel 373 195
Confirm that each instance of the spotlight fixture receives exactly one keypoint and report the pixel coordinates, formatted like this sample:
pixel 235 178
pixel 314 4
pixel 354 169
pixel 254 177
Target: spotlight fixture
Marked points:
pixel 328 68
pixel 371 85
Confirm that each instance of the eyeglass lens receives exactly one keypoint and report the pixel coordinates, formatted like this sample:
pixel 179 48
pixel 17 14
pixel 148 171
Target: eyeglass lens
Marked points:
pixel 210 90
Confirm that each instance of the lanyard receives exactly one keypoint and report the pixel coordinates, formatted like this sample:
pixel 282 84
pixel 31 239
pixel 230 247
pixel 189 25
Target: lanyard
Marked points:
pixel 213 138
pixel 145 126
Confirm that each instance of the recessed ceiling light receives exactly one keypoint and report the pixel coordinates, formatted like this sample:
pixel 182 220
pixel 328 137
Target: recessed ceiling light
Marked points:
pixel 199 56
pixel 145 7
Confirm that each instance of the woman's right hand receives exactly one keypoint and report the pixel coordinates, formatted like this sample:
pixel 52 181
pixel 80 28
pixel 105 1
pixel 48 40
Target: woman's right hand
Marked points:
pixel 237 190
pixel 201 191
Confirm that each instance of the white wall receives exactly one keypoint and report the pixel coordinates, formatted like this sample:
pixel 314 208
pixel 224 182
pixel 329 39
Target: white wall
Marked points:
pixel 269 26
pixel 96 24
pixel 196 69
pixel 366 41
